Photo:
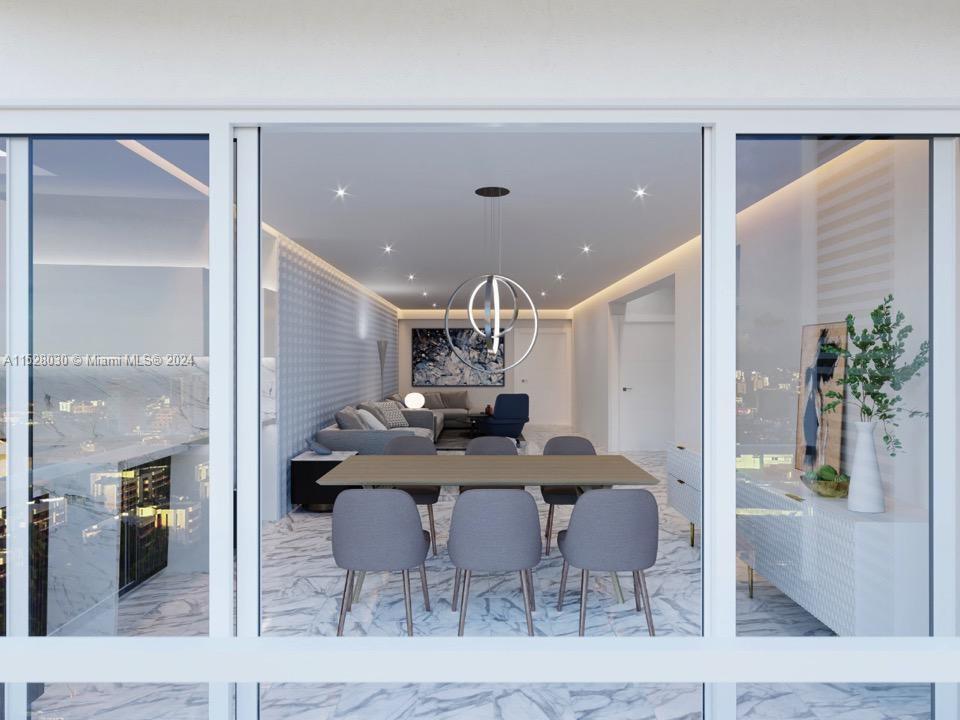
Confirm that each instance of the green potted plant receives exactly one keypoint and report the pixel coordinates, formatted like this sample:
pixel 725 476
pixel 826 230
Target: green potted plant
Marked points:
pixel 874 378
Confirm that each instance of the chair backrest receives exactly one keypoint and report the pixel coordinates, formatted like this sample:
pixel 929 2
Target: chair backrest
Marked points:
pixel 377 530
pixel 512 405
pixel 613 530
pixel 410 445
pixel 491 445
pixel 569 445
pixel 495 531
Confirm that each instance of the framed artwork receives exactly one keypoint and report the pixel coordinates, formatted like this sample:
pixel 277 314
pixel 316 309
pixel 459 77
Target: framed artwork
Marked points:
pixel 434 364
pixel 819 433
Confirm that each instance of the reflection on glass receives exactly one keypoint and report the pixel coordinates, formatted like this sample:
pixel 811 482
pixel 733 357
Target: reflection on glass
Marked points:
pixel 119 388
pixel 876 702
pixel 3 395
pixel 832 386
pixel 130 701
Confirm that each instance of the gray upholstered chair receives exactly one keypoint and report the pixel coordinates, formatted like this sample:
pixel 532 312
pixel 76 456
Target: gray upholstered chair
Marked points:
pixel 491 445
pixel 495 531
pixel 422 494
pixel 379 530
pixel 611 530
pixel 554 495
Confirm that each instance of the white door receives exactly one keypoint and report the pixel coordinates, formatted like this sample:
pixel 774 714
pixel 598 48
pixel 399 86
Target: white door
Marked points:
pixel 646 386
pixel 545 376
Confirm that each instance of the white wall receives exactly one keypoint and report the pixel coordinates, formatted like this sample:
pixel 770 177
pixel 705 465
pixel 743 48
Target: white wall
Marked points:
pixel 515 51
pixel 479 396
pixel 596 349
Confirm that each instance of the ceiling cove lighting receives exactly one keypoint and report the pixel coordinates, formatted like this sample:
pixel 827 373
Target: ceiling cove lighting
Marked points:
pixel 493 286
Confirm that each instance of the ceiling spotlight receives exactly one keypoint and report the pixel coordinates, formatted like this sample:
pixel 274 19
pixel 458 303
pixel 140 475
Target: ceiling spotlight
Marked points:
pixel 424 293
pixel 559 276
pixel 387 249
pixel 639 192
pixel 543 293
pixel 411 276
pixel 434 304
pixel 341 192
pixel 586 249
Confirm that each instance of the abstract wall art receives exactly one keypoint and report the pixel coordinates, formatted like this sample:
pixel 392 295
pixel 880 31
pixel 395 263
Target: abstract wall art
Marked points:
pixel 435 365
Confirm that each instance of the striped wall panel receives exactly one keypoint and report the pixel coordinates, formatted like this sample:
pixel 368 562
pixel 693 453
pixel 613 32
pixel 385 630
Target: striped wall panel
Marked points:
pixel 328 357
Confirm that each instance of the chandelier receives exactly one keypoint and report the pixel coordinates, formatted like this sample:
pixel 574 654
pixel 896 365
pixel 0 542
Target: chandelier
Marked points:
pixel 494 287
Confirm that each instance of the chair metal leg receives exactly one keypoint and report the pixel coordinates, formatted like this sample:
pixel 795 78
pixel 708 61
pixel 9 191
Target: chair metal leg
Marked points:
pixel 433 530
pixel 563 584
pixel 406 601
pixel 692 534
pixel 463 601
pixel 617 590
pixel 549 533
pixel 524 580
pixel 533 595
pixel 456 589
pixel 750 580
pixel 353 587
pixel 646 603
pixel 347 583
pixel 358 583
pixel 423 585
pixel 636 588
pixel 584 579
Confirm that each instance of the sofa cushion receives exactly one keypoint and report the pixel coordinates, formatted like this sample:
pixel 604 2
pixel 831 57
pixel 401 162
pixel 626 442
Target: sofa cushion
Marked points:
pixel 390 412
pixel 456 399
pixel 347 419
pixel 373 409
pixel 371 421
pixel 433 400
pixel 421 432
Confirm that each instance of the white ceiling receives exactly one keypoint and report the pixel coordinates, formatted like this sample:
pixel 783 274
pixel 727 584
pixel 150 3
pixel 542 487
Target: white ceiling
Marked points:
pixel 413 188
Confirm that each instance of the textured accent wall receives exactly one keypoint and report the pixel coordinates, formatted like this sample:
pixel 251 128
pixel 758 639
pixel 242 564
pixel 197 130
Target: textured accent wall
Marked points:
pixel 328 358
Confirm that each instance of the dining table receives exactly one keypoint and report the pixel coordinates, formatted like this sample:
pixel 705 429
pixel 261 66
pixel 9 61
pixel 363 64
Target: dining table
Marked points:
pixel 487 470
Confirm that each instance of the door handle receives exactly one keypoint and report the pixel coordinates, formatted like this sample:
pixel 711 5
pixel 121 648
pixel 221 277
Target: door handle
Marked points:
pixel 627 388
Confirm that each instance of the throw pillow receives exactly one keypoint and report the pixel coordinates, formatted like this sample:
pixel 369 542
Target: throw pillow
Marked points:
pixel 456 399
pixel 347 419
pixel 391 413
pixel 318 447
pixel 433 401
pixel 370 420
pixel 371 407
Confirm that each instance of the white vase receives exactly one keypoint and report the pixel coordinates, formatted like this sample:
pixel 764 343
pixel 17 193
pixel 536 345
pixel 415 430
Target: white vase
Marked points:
pixel 866 487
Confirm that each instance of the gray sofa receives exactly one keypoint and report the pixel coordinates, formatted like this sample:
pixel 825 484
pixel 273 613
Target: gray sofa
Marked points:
pixel 372 442
pixel 442 410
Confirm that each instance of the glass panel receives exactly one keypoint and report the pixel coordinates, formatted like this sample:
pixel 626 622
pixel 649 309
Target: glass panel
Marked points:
pixel 120 389
pixel 441 700
pixel 3 392
pixel 869 702
pixel 370 229
pixel 122 701
pixel 833 322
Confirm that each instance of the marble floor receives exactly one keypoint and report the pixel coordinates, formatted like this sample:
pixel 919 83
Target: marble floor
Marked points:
pixel 301 589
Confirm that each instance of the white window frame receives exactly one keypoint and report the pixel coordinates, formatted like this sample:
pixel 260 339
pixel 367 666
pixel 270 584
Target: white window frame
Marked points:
pixel 719 659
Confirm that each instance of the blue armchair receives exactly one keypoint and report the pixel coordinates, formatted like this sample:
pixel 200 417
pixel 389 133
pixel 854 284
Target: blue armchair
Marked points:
pixel 510 413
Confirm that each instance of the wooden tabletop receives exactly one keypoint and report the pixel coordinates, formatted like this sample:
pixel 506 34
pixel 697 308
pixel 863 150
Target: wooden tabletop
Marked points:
pixel 487 470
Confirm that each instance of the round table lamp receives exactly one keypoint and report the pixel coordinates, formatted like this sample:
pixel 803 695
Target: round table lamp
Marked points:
pixel 414 400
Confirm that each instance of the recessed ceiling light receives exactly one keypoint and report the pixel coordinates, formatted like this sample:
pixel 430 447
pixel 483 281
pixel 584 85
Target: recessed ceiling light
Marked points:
pixel 586 249
pixel 639 192
pixel 387 249
pixel 434 304
pixel 341 192
pixel 411 276
pixel 424 293
pixel 543 293
pixel 559 276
